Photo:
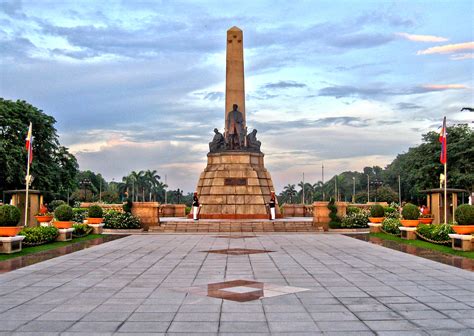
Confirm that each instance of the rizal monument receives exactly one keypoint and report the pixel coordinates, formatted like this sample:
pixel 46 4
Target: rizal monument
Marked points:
pixel 235 183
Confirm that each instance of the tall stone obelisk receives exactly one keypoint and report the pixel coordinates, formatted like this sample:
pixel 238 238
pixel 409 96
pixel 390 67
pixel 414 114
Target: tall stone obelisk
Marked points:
pixel 234 79
pixel 235 183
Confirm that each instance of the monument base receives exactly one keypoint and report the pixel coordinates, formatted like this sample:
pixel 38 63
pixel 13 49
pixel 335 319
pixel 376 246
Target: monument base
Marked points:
pixel 235 185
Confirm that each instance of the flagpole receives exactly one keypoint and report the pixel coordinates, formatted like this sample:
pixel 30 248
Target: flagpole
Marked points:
pixel 27 178
pixel 445 193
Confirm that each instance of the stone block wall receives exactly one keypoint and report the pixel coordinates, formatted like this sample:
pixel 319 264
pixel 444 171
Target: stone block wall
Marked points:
pixel 172 210
pixel 148 212
pixel 235 185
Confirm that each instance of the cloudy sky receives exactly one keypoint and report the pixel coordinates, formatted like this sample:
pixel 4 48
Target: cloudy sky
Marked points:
pixel 140 85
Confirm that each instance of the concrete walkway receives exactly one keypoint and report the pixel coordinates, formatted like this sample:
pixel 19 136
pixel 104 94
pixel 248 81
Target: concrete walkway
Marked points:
pixel 139 285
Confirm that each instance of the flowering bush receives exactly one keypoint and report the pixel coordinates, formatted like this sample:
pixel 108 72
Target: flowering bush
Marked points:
pixel 355 220
pixel 390 225
pixel 120 220
pixel 391 212
pixel 79 214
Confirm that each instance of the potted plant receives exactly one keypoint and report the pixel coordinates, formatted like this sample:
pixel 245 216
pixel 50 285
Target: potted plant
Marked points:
pixel 376 213
pixel 63 215
pixel 9 219
pixel 426 218
pixel 44 216
pixel 410 214
pixel 465 219
pixel 95 215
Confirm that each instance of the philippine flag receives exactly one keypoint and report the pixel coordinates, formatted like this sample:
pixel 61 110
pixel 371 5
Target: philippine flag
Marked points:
pixel 29 144
pixel 444 143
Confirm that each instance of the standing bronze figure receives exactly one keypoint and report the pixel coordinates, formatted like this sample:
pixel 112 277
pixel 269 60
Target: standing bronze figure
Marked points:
pixel 235 129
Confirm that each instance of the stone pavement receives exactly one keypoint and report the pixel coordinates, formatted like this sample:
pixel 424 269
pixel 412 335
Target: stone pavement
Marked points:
pixel 138 285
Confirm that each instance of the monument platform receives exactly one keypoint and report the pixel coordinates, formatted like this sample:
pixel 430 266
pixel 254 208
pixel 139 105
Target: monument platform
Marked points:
pixel 293 224
pixel 235 185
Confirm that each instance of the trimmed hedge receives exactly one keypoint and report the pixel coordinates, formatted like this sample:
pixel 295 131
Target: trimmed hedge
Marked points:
pixel 9 215
pixel 39 235
pixel 435 232
pixel 63 213
pixel 464 214
pixel 410 212
pixel 95 211
pixel 376 210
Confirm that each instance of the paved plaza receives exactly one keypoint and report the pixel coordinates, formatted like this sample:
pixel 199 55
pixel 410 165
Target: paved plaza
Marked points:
pixel 302 284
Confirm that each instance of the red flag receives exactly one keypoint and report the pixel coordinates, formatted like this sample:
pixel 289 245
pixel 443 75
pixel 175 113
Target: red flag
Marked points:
pixel 443 157
pixel 29 144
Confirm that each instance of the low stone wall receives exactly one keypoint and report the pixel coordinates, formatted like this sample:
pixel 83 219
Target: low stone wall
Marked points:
pixel 148 212
pixel 173 210
pixel 296 210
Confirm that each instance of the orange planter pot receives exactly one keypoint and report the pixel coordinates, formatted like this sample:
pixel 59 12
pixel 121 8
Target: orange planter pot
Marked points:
pixel 410 222
pixel 91 220
pixel 63 225
pixel 426 220
pixel 44 219
pixel 376 219
pixel 9 231
pixel 463 229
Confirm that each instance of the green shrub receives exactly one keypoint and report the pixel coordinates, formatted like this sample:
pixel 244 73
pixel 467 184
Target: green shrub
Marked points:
pixel 464 214
pixel 39 235
pixel 376 210
pixel 9 215
pixel 95 211
pixel 355 220
pixel 79 214
pixel 410 212
pixel 81 230
pixel 435 232
pixel 63 213
pixel 121 220
pixel 391 225
pixel 54 204
pixel 335 221
pixel 391 212
pixel 188 210
pixel 351 210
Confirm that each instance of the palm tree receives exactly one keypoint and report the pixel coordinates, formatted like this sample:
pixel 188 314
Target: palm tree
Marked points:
pixel 290 191
pixel 152 180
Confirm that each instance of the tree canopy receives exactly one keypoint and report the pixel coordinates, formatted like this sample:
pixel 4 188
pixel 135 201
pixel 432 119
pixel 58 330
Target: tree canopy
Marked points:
pixel 54 169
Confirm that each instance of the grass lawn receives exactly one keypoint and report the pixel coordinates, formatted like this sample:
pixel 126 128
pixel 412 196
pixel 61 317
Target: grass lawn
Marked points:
pixel 46 247
pixel 425 244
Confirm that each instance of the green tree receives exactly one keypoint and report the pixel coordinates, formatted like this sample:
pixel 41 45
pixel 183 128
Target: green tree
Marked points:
pixel 53 167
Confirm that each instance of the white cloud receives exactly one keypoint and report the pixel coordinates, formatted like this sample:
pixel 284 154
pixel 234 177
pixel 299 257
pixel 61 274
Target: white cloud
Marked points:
pixel 447 49
pixel 422 38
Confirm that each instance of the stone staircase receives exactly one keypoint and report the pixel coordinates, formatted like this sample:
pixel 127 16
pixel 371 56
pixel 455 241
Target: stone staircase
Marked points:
pixel 170 225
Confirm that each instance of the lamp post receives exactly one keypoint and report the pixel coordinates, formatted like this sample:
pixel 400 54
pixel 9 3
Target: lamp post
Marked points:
pixel 84 183
pixel 353 189
pixel 376 183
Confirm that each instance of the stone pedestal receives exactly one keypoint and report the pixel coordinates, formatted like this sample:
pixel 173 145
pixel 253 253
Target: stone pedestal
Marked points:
pixel 235 185
pixel 375 227
pixel 65 234
pixel 97 228
pixel 461 242
pixel 407 233
pixel 10 245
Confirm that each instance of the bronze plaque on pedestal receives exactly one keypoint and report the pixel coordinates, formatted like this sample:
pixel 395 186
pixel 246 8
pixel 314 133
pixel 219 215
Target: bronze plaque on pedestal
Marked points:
pixel 235 181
